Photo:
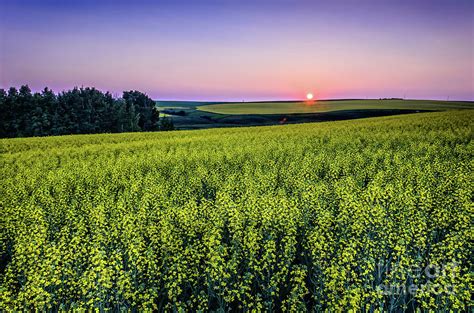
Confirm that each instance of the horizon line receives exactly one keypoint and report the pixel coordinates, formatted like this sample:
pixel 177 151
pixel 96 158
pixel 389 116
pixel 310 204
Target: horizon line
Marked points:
pixel 303 99
pixel 237 100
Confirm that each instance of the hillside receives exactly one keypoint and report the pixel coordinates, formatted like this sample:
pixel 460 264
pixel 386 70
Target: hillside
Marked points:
pixel 199 115
pixel 292 107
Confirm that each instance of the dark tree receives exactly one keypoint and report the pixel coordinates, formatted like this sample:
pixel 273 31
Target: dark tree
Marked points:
pixel 145 107
pixel 166 123
pixel 4 115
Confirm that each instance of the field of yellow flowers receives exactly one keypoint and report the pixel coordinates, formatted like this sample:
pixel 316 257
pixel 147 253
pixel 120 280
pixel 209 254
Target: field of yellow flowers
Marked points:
pixel 371 214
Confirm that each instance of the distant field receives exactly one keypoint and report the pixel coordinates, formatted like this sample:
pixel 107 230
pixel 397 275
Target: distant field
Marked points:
pixel 181 104
pixel 330 106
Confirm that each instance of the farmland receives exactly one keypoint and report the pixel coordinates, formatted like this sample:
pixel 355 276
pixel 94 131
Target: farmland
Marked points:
pixel 199 115
pixel 295 217
pixel 292 107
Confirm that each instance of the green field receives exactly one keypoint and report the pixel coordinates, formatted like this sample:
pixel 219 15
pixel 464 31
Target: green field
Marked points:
pixel 200 115
pixel 308 217
pixel 181 104
pixel 292 107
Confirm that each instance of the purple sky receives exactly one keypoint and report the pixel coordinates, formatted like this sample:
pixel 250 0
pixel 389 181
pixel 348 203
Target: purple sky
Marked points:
pixel 234 50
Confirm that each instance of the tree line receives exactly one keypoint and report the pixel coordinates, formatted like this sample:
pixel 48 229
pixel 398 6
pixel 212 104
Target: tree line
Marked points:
pixel 77 111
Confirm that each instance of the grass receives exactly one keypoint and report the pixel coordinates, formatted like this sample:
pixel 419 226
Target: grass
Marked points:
pixel 294 107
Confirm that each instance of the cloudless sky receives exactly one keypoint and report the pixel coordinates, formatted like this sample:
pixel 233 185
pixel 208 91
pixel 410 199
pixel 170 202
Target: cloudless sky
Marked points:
pixel 235 50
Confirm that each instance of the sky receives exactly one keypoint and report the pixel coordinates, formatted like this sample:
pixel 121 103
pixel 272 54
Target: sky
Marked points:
pixel 222 50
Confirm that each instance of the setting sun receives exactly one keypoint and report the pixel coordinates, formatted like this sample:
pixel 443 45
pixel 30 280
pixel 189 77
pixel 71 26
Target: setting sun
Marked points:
pixel 309 96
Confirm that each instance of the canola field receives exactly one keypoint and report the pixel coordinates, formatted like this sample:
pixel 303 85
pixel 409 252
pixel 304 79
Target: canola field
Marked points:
pixel 370 215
